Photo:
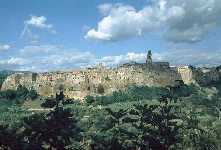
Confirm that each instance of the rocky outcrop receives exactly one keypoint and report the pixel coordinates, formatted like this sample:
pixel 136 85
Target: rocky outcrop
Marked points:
pixel 200 76
pixel 78 84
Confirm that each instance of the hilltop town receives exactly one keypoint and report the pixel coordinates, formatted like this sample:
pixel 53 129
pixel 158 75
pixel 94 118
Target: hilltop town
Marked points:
pixel 101 80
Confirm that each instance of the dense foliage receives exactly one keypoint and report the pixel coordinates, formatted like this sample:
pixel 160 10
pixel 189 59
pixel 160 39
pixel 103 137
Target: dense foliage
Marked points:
pixel 19 95
pixel 140 118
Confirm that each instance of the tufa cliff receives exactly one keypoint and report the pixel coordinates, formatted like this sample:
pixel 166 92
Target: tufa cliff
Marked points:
pixel 101 80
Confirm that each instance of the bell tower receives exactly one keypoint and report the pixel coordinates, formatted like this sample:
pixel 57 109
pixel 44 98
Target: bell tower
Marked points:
pixel 149 58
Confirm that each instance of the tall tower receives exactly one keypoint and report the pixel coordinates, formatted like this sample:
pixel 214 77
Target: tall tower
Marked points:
pixel 149 58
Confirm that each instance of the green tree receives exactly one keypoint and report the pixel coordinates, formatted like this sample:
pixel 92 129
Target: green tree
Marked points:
pixel 49 103
pixel 9 138
pixel 55 130
pixel 111 133
pixel 141 127
pixel 100 89
pixel 89 99
pixel 22 92
pixel 9 94
pixel 33 94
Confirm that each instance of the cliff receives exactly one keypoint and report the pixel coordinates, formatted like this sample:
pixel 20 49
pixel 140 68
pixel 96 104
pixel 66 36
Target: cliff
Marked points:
pixel 199 76
pixel 101 80
pixel 78 84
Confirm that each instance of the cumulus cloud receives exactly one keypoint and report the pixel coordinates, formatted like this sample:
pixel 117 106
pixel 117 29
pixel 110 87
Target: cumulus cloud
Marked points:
pixel 180 21
pixel 4 47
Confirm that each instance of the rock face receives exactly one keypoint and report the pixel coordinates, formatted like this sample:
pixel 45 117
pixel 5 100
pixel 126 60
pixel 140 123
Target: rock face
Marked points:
pixel 78 84
pixel 200 76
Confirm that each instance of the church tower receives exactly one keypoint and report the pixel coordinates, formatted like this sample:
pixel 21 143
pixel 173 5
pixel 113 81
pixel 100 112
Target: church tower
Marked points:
pixel 149 58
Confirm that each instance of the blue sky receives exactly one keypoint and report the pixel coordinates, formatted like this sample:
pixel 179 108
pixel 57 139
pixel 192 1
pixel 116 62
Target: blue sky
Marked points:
pixel 48 35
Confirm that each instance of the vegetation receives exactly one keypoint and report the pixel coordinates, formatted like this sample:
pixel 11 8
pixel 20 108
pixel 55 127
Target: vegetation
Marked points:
pixel 100 89
pixel 19 95
pixel 177 117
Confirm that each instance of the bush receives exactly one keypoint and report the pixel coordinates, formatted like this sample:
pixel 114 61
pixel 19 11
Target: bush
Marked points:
pixel 22 92
pixel 89 99
pixel 10 94
pixel 19 95
pixel 8 138
pixel 55 130
pixel 49 103
pixel 100 89
pixel 131 94
pixel 69 101
pixel 33 94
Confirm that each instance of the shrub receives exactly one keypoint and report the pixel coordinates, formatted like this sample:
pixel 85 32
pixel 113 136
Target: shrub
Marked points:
pixel 49 103
pixel 100 89
pixel 32 94
pixel 10 94
pixel 89 99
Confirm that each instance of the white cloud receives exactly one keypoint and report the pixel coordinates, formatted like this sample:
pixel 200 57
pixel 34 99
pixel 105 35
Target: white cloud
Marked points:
pixel 181 21
pixel 120 59
pixel 4 47
pixel 55 57
pixel 38 22
pixel 49 58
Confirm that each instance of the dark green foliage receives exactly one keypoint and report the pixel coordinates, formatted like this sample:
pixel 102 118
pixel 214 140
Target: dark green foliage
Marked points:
pixel 49 103
pixel 142 127
pixel 194 136
pixel 160 126
pixel 9 94
pixel 19 95
pixel 9 138
pixel 89 99
pixel 69 101
pixel 59 98
pixel 216 84
pixel 56 130
pixel 143 93
pixel 111 132
pixel 100 89
pixel 137 132
pixel 33 94
pixel 126 120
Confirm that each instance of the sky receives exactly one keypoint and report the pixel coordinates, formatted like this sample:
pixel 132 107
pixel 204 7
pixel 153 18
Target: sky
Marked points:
pixel 50 35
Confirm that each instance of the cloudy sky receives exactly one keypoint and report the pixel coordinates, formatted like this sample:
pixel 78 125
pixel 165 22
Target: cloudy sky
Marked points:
pixel 48 35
